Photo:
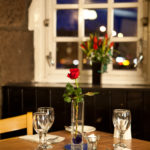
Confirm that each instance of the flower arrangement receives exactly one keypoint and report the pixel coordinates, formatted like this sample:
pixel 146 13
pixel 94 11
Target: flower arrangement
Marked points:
pixel 73 93
pixel 98 50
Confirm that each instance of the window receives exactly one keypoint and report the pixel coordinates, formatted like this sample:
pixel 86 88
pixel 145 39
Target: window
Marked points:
pixel 71 21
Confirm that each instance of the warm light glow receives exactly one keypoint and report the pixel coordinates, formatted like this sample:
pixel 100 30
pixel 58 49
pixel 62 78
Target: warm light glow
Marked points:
pixel 120 59
pixel 84 60
pixel 120 35
pixel 135 61
pixel 102 28
pixel 126 63
pixel 89 14
pixel 114 33
pixel 75 62
pixel 120 63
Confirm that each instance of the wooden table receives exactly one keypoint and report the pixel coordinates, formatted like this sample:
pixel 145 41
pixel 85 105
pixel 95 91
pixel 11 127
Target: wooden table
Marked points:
pixel 105 143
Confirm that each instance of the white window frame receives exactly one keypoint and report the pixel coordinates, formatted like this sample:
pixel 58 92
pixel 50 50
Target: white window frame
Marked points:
pixel 43 43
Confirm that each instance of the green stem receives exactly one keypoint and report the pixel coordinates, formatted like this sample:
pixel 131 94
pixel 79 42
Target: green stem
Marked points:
pixel 76 110
pixel 77 85
pixel 76 107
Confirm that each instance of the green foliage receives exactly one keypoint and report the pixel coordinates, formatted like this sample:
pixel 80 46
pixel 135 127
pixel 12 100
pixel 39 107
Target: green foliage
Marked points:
pixel 75 94
pixel 91 93
pixel 72 93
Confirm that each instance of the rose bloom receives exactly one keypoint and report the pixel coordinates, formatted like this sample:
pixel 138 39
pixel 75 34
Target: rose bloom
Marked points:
pixel 74 73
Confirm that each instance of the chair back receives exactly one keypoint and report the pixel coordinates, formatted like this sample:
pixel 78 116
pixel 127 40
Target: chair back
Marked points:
pixel 17 123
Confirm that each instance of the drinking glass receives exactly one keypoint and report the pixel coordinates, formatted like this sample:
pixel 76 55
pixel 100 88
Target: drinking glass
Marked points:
pixel 50 112
pixel 121 121
pixel 40 122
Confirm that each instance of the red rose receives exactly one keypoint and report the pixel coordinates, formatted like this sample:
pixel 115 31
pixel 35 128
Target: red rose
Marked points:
pixel 95 46
pixel 74 73
pixel 95 39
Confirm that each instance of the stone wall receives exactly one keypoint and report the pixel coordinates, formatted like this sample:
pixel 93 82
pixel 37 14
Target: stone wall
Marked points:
pixel 16 42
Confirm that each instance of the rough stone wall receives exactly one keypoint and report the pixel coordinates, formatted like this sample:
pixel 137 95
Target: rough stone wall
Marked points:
pixel 16 42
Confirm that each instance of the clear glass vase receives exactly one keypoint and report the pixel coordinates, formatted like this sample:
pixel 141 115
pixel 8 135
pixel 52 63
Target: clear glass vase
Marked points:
pixel 77 124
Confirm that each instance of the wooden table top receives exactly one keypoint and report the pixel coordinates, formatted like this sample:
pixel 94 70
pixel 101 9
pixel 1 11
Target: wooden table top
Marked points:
pixel 105 143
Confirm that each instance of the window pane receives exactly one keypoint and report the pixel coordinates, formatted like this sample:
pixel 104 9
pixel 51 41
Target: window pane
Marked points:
pixel 127 1
pixel 67 23
pixel 94 19
pixel 125 56
pixel 125 22
pixel 95 1
pixel 67 53
pixel 67 1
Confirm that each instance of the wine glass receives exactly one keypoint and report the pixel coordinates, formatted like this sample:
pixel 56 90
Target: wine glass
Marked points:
pixel 121 121
pixel 50 112
pixel 40 122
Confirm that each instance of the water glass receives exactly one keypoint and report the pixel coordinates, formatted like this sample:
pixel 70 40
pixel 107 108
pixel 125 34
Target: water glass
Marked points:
pixel 121 121
pixel 40 122
pixel 50 112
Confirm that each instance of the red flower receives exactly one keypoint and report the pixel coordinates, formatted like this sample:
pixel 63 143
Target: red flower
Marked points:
pixel 111 44
pixel 82 46
pixel 106 36
pixel 99 42
pixel 86 44
pixel 95 46
pixel 95 40
pixel 74 73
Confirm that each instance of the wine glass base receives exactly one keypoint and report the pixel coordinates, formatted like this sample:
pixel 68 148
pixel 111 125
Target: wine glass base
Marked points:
pixel 119 145
pixel 44 147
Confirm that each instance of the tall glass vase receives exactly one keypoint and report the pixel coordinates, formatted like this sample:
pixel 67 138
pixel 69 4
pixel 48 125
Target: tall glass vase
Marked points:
pixel 77 123
pixel 96 73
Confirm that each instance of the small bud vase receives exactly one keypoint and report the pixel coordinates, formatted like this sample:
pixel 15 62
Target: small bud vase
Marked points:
pixel 77 124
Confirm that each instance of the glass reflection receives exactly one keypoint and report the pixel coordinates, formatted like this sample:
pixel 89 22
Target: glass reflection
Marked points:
pixel 67 1
pixel 67 22
pixel 93 25
pixel 125 22
pixel 125 56
pixel 125 1
pixel 94 1
pixel 67 55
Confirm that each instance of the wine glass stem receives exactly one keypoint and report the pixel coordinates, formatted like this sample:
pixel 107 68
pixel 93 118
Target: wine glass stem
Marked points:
pixel 121 137
pixel 45 141
pixel 42 139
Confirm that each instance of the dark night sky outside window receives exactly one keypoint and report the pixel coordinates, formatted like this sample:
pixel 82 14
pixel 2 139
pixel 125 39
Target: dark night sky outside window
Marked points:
pixel 125 1
pixel 95 1
pixel 125 21
pixel 67 22
pixel 67 1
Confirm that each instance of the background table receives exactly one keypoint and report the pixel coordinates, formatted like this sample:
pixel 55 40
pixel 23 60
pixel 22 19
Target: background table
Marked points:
pixel 105 143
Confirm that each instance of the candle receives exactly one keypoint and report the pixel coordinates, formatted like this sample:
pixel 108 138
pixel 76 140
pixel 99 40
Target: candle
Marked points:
pixel 92 141
pixel 92 138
